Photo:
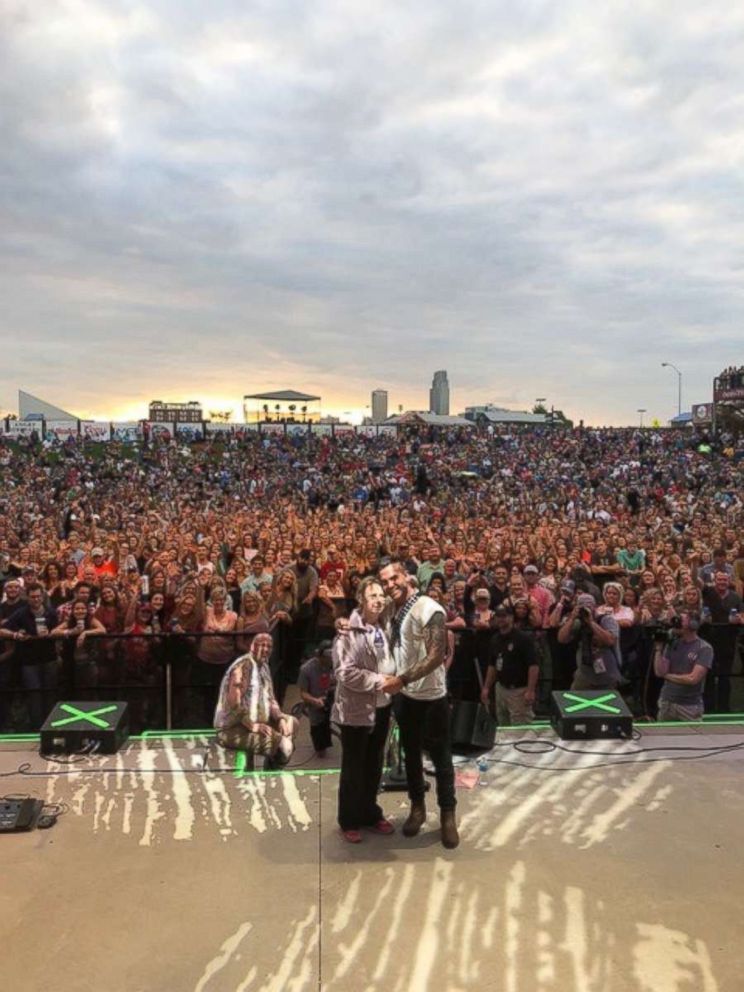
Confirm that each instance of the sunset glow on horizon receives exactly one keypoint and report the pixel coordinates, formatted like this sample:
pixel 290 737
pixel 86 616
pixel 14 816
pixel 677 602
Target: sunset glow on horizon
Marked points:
pixel 544 201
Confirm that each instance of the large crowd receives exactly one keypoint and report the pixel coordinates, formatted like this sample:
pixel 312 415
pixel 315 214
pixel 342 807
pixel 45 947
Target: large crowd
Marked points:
pixel 192 550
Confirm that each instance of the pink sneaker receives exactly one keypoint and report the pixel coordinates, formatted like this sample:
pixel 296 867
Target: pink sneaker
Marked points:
pixel 352 836
pixel 382 827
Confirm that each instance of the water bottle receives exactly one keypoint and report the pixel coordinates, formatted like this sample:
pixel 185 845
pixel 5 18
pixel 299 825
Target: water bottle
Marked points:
pixel 733 615
pixel 482 764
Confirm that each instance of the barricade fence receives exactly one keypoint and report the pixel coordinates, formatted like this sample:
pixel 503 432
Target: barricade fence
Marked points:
pixel 171 680
pixel 152 430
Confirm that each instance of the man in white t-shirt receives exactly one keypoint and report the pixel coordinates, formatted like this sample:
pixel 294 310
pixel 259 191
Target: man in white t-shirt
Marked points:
pixel 418 642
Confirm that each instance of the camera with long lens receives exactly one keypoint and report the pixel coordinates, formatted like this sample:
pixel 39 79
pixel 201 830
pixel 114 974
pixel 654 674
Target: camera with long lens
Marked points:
pixel 584 614
pixel 664 631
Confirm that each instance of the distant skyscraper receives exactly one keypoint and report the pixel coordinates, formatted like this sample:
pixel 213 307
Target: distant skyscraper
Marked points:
pixel 439 394
pixel 379 405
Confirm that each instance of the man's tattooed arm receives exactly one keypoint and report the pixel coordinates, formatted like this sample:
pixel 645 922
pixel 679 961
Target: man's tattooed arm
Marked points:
pixel 435 639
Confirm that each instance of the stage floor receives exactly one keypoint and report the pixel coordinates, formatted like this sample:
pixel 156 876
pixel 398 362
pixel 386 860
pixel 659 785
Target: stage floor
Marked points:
pixel 622 872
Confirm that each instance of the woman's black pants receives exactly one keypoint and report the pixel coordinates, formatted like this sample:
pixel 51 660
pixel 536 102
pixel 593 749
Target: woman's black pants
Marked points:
pixel 361 770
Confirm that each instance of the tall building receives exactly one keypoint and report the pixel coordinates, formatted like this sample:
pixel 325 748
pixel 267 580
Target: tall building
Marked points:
pixel 439 394
pixel 379 405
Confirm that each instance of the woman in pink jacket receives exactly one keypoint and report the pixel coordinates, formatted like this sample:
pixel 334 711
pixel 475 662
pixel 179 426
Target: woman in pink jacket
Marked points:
pixel 361 660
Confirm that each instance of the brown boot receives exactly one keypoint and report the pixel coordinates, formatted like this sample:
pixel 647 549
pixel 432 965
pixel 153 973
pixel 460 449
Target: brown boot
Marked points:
pixel 416 818
pixel 450 836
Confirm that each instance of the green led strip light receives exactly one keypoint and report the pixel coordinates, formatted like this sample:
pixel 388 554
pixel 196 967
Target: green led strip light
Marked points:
pixel 240 770
pixel 714 720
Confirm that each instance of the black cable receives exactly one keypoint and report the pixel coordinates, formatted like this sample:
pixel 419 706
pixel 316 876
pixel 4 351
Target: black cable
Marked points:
pixel 651 750
pixel 23 769
pixel 73 759
pixel 301 764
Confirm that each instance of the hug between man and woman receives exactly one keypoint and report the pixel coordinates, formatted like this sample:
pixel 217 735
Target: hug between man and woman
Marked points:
pixel 388 656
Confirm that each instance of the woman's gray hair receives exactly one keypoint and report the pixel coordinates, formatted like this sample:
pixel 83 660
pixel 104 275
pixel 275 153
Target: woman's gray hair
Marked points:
pixel 613 585
pixel 367 581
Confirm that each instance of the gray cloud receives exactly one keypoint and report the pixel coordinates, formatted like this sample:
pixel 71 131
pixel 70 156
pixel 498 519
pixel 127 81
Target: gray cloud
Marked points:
pixel 544 199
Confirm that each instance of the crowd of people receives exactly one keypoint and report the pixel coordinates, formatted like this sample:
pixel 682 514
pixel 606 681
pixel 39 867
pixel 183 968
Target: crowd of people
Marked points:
pixel 732 378
pixel 117 558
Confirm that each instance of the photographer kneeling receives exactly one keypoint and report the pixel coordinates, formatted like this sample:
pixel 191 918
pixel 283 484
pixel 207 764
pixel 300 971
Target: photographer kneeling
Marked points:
pixel 682 659
pixel 598 654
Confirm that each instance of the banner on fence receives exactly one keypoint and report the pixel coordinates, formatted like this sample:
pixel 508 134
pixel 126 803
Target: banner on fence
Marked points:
pixel 367 430
pixel 297 429
pixel 189 432
pixel 387 429
pixel 160 431
pixel 95 430
pixel 220 427
pixel 322 430
pixel 126 430
pixel 272 428
pixel 23 428
pixel 60 430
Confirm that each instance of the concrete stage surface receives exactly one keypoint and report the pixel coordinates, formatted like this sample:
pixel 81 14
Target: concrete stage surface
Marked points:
pixel 622 872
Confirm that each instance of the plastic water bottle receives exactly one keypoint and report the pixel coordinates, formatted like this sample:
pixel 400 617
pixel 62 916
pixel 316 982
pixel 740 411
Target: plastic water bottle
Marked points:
pixel 482 764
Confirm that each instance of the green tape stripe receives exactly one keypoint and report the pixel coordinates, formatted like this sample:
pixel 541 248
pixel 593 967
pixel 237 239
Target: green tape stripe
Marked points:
pixel 714 720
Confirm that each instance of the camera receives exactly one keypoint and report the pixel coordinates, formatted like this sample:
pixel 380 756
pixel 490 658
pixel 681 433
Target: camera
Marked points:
pixel 584 614
pixel 664 631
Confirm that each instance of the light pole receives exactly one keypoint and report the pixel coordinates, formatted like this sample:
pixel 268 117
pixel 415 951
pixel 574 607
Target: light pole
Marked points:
pixel 641 410
pixel 668 365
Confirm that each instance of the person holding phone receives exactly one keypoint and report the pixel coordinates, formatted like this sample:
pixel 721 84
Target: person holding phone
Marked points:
pixel 78 659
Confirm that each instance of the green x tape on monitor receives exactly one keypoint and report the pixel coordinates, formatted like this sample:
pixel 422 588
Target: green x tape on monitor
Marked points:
pixel 92 716
pixel 74 727
pixel 599 703
pixel 592 714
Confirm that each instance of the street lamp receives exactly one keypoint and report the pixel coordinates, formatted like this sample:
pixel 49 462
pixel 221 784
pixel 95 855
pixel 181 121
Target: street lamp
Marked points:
pixel 668 365
pixel 641 410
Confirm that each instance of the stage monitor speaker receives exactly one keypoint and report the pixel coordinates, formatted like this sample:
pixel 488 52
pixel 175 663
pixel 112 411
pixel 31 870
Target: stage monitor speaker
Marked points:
pixel 590 714
pixel 74 727
pixel 472 726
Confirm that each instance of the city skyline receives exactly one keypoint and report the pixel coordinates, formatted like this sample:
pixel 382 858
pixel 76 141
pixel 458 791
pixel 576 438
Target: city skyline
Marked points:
pixel 356 412
pixel 545 201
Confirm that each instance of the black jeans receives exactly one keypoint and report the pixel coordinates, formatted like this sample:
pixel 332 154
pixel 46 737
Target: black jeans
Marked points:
pixel 361 770
pixel 426 723
pixel 320 734
pixel 717 694
pixel 40 683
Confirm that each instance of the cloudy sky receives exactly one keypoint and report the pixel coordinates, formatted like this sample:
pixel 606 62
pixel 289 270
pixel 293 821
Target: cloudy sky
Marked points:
pixel 203 200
